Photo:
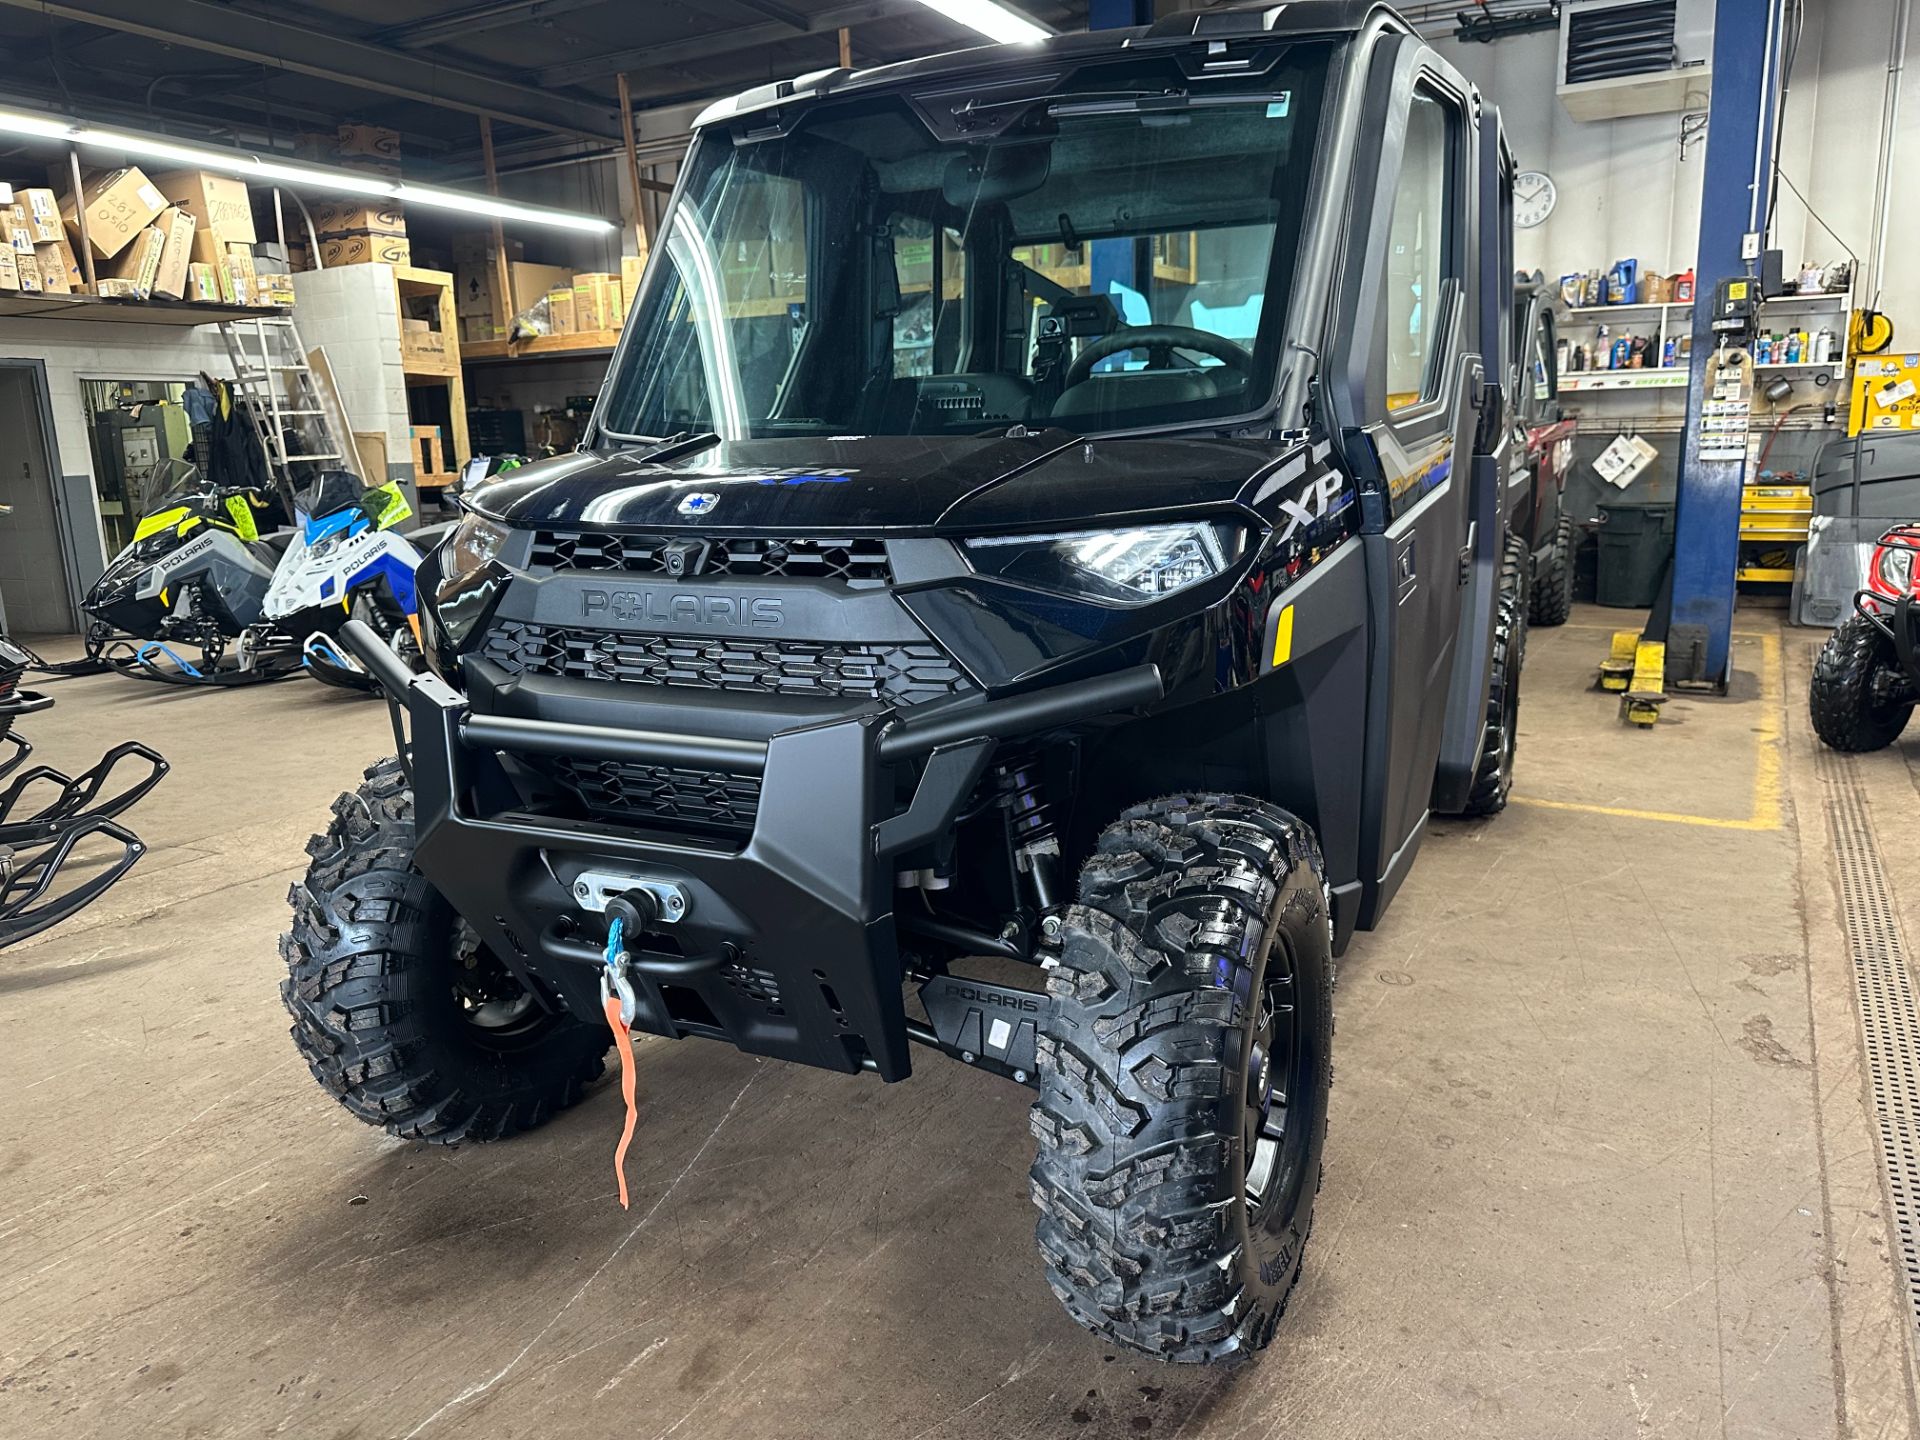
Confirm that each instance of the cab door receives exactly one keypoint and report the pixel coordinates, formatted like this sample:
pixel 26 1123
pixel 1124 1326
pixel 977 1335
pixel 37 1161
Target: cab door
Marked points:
pixel 1406 385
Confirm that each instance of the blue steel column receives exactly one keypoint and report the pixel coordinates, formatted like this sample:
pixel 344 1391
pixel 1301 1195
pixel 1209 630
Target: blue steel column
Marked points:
pixel 1746 40
pixel 1118 14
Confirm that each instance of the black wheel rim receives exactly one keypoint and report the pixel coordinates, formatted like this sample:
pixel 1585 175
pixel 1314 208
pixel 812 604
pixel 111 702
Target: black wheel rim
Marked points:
pixel 495 1009
pixel 1273 1128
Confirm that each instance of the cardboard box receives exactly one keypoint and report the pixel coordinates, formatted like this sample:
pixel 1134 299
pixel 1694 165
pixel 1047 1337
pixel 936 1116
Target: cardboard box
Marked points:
pixel 203 282
pixel 632 267
pixel 365 249
pixel 596 301
pixel 108 288
pixel 419 341
pixel 176 256
pixel 59 271
pixel 478 329
pixel 119 205
pixel 352 217
pixel 217 202
pixel 560 312
pixel 369 141
pixel 475 247
pixel 9 268
pixel 241 258
pixel 473 287
pixel 13 228
pixel 42 215
pixel 139 262
pixel 29 269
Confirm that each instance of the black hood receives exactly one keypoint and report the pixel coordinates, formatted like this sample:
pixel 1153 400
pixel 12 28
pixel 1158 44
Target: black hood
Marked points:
pixel 895 484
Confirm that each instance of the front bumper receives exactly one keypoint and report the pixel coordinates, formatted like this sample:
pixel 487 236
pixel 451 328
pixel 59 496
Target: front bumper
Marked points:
pixel 787 944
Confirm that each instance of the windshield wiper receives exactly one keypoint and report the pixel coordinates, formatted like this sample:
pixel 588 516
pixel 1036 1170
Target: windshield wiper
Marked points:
pixel 687 442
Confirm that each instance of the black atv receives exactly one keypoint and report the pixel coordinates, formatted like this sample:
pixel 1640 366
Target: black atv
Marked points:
pixel 1046 510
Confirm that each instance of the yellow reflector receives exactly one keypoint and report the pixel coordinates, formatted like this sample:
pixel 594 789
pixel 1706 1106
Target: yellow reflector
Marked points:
pixel 1283 638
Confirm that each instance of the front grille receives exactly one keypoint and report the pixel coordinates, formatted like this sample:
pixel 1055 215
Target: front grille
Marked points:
pixel 671 796
pixel 747 557
pixel 896 673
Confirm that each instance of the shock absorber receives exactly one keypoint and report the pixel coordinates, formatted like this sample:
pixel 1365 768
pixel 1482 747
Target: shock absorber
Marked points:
pixel 1036 845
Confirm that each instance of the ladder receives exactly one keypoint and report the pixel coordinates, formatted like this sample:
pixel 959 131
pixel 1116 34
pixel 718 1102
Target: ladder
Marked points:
pixel 293 412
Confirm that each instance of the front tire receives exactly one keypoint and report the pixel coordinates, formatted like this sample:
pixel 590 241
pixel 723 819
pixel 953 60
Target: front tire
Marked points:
pixel 1184 1066
pixel 1849 699
pixel 398 1011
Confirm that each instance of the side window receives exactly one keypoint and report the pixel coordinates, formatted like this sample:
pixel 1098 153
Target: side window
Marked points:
pixel 1420 251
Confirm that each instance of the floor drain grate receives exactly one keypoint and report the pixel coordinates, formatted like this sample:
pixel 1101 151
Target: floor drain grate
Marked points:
pixel 1889 1006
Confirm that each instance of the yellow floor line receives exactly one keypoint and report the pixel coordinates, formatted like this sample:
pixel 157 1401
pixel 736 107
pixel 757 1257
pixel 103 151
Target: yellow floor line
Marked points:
pixel 1767 788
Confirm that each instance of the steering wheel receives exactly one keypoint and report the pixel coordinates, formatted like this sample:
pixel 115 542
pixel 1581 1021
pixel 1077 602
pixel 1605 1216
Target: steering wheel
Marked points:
pixel 1159 341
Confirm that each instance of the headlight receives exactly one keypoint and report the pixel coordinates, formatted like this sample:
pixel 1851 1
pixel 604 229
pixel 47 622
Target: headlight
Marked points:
pixel 1124 567
pixel 1894 565
pixel 472 546
pixel 458 583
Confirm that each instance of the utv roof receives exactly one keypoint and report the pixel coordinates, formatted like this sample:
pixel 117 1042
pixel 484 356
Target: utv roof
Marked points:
pixel 1221 25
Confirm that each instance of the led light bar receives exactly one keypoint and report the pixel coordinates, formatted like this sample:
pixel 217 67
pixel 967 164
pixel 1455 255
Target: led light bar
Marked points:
pixel 277 172
pixel 991 19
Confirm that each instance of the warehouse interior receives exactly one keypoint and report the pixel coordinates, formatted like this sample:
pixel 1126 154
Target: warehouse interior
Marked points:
pixel 718 720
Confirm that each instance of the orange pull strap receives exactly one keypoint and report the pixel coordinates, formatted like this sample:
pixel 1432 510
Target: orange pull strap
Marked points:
pixel 624 1044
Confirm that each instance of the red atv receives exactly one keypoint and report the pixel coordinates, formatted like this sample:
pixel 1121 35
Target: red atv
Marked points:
pixel 1868 675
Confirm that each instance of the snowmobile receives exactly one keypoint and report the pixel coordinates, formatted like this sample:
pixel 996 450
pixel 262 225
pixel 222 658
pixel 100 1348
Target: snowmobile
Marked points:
pixel 346 561
pixel 184 601
pixel 193 599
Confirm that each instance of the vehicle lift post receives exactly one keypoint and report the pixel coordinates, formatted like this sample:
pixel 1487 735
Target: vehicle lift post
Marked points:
pixel 1745 97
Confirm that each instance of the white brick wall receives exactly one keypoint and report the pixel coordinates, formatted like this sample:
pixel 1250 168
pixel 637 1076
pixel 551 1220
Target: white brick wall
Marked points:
pixel 352 313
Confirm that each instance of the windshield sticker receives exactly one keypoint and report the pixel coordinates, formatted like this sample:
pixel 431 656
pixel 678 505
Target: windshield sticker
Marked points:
pixel 1277 108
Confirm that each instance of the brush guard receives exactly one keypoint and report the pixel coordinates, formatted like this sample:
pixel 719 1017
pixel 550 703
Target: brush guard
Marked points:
pixel 786 946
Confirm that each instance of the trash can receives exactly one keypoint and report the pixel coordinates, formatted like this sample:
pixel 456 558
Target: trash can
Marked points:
pixel 1635 540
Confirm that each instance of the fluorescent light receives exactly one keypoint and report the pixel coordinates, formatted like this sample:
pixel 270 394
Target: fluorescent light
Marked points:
pixel 991 19
pixel 313 177
pixel 501 209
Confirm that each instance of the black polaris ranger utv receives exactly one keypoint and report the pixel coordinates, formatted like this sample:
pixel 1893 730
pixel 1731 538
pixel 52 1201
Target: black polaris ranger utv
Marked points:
pixel 1045 511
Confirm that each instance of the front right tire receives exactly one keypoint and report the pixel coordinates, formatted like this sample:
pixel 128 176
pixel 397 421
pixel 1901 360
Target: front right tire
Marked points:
pixel 1856 681
pixel 1184 1067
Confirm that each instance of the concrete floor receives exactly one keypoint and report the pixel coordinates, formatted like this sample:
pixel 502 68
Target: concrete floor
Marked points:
pixel 1599 1162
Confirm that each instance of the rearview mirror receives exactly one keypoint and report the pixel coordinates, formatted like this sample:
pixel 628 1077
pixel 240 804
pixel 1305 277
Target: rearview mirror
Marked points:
pixel 1003 172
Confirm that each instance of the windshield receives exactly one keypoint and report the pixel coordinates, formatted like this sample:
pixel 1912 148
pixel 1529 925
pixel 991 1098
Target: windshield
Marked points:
pixel 1118 256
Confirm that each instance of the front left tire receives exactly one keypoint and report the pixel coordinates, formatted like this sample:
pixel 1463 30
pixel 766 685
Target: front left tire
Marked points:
pixel 399 1012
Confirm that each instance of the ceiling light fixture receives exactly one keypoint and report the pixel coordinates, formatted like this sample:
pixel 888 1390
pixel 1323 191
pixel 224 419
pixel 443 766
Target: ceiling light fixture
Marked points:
pixel 277 172
pixel 991 19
